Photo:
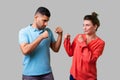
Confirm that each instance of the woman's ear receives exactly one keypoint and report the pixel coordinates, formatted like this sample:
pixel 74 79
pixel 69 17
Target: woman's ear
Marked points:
pixel 95 27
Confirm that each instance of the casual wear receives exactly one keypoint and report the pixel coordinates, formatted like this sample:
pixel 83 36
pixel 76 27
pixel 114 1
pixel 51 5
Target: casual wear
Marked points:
pixel 37 62
pixel 48 76
pixel 84 57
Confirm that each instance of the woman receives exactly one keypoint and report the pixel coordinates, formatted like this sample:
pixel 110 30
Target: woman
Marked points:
pixel 85 50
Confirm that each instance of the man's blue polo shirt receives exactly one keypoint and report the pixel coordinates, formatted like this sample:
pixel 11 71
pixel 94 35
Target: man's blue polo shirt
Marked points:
pixel 37 62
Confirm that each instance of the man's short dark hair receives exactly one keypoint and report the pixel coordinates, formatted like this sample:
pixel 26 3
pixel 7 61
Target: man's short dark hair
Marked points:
pixel 43 11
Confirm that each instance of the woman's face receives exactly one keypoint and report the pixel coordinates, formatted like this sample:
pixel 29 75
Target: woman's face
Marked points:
pixel 88 27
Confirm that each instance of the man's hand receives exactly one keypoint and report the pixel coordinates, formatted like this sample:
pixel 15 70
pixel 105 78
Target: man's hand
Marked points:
pixel 44 34
pixel 59 30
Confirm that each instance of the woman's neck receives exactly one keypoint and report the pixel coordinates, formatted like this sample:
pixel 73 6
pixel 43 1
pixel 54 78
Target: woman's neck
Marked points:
pixel 91 37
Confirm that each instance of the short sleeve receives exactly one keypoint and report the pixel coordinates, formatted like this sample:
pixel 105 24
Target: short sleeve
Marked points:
pixel 23 37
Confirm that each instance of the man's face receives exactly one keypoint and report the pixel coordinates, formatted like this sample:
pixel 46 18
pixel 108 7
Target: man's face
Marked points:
pixel 41 21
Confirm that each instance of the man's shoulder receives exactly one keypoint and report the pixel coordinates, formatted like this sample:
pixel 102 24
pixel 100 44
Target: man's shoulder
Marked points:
pixel 48 29
pixel 24 29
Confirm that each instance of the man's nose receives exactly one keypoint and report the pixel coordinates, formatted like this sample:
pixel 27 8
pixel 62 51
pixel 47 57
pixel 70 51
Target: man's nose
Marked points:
pixel 46 23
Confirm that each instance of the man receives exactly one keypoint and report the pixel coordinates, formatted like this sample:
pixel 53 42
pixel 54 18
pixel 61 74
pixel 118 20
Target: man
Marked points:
pixel 35 41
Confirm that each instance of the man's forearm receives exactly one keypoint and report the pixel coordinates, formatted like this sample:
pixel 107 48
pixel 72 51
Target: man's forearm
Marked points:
pixel 28 48
pixel 58 43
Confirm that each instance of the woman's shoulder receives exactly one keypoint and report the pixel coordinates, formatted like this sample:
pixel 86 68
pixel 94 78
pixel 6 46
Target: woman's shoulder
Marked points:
pixel 80 34
pixel 101 41
pixel 77 36
pixel 83 35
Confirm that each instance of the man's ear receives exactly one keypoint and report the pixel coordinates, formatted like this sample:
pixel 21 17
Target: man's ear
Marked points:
pixel 36 16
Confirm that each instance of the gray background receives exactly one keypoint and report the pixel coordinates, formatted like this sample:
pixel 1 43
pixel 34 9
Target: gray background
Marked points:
pixel 68 14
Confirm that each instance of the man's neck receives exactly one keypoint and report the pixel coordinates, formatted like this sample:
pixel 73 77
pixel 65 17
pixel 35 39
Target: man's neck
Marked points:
pixel 34 25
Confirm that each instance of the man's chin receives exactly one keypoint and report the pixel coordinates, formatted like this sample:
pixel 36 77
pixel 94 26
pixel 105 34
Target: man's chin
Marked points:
pixel 41 28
